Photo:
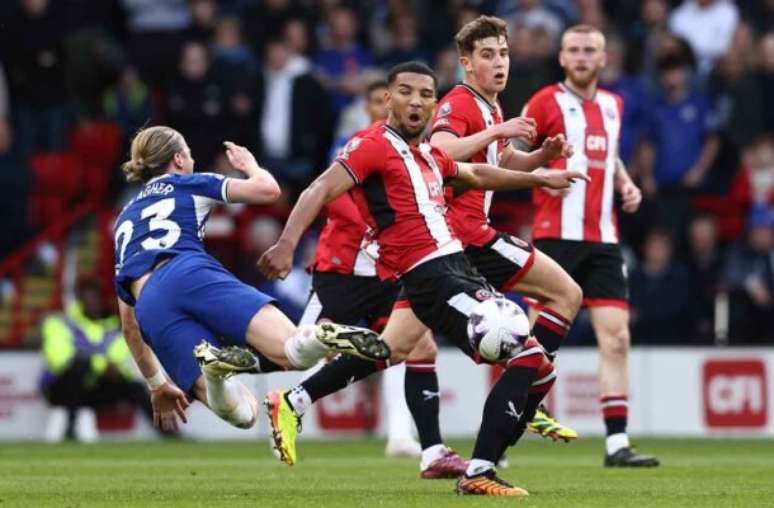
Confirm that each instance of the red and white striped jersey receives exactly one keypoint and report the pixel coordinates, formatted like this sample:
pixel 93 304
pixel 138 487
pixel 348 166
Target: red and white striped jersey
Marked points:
pixel 593 128
pixel 400 194
pixel 347 243
pixel 464 112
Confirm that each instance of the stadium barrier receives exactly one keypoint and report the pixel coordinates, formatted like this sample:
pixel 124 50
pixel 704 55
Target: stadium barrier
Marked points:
pixel 674 392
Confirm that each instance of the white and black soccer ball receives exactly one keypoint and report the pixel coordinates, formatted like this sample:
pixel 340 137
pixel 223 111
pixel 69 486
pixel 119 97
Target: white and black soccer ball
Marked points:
pixel 497 329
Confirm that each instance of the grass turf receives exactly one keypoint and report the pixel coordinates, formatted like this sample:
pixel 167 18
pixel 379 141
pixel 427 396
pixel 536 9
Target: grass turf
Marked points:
pixel 696 473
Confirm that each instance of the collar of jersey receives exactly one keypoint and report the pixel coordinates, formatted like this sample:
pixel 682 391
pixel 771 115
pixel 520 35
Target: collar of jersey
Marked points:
pixel 567 89
pixel 157 178
pixel 478 95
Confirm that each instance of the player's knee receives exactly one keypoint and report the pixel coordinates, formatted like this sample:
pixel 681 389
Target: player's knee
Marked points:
pixel 615 341
pixel 574 296
pixel 425 349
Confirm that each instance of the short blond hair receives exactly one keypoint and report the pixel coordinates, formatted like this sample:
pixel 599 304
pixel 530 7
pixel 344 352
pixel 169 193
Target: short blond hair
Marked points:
pixel 583 29
pixel 151 152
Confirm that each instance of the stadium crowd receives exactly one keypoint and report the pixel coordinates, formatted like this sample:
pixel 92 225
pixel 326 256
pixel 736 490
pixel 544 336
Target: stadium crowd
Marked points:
pixel 287 79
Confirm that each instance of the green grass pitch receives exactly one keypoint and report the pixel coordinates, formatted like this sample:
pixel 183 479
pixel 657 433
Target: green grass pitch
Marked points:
pixel 696 473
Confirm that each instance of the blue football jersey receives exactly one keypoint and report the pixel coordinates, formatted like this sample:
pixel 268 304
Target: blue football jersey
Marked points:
pixel 165 219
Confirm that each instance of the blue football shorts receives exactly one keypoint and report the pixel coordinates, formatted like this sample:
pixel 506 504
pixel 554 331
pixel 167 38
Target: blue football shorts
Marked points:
pixel 189 299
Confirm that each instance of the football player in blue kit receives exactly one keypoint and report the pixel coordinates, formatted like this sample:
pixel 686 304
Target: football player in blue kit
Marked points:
pixel 182 310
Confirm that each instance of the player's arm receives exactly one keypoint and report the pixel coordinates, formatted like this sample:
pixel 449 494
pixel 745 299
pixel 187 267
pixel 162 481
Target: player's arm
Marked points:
pixel 258 188
pixel 553 148
pixel 278 259
pixel 463 148
pixel 631 195
pixel 168 401
pixel 487 177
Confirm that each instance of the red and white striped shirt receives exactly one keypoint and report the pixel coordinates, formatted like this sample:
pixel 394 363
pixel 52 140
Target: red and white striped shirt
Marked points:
pixel 464 112
pixel 593 128
pixel 400 194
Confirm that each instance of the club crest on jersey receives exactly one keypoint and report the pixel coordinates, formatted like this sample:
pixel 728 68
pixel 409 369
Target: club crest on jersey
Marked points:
pixel 445 109
pixel 350 147
pixel 483 294
pixel 610 112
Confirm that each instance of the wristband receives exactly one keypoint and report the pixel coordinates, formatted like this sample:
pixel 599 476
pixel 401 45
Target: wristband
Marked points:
pixel 156 381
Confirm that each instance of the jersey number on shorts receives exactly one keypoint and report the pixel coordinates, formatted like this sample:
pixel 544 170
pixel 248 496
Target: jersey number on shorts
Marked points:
pixel 158 213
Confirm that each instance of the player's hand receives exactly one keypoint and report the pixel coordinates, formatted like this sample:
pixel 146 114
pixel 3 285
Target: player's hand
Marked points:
pixel 559 178
pixel 277 261
pixel 556 147
pixel 631 197
pixel 169 403
pixel 240 157
pixel 693 178
pixel 518 127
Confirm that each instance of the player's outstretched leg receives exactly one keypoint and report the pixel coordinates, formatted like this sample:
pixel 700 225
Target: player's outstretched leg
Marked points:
pixel 505 414
pixel 227 398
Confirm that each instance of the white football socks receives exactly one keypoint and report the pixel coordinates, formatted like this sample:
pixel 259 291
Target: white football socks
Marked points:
pixel 430 454
pixel 478 466
pixel 400 424
pixel 303 349
pixel 615 442
pixel 232 401
pixel 300 400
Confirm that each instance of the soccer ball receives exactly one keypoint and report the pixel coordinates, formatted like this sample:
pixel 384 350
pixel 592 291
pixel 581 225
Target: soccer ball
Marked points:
pixel 497 329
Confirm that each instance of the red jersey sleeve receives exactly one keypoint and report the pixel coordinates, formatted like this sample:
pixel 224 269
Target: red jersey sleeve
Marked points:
pixel 452 116
pixel 361 157
pixel 536 109
pixel 446 165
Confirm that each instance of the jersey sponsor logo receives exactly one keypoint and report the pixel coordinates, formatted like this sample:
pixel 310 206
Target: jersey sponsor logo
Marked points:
pixel 596 143
pixel 735 393
pixel 435 189
pixel 350 147
pixel 445 109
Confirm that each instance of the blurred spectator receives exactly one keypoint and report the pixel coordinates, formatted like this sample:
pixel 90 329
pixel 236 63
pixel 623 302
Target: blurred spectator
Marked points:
pixel 749 276
pixel 405 43
pixel 340 65
pixel 88 365
pixel 360 114
pixel 634 95
pixel 32 49
pixel 681 143
pixel 766 79
pixel 204 18
pixel 229 50
pixel 6 126
pixel 156 35
pixel 447 70
pixel 196 104
pixel 128 103
pixel 661 294
pixel 708 25
pixel 296 34
pixel 94 64
pixel 738 98
pixel 590 12
pixel 533 64
pixel 533 14
pixel 704 261
pixel 296 118
pixel 648 35
pixel 264 20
